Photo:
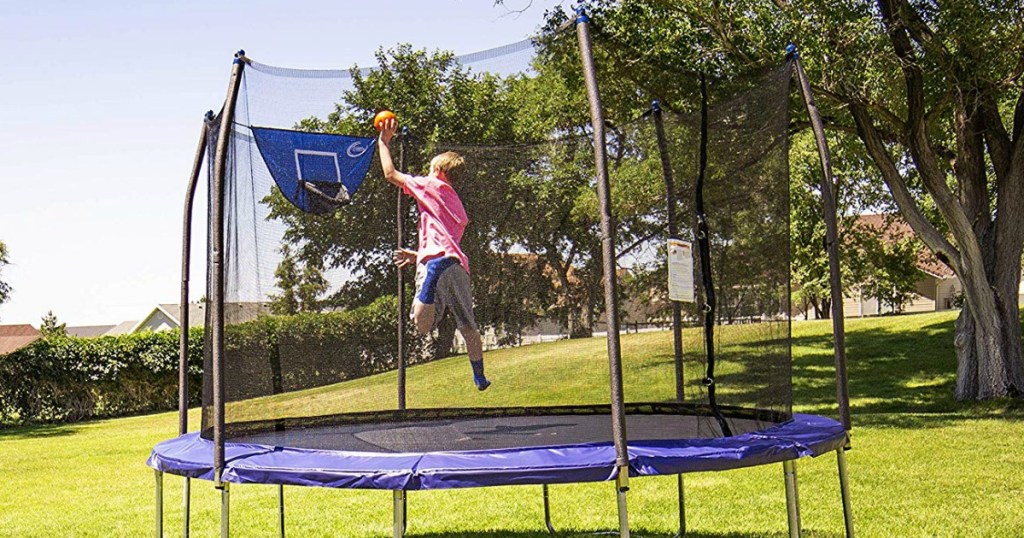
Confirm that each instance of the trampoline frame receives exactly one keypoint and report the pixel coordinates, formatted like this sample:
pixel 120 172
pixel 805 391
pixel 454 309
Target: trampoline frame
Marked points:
pixel 400 503
pixel 400 497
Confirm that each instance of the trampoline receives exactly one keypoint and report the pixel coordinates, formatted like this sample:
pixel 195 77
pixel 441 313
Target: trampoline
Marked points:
pixel 419 450
pixel 300 337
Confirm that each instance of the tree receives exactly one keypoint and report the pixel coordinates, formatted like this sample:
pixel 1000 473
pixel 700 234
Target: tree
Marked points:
pixel 940 116
pixel 5 288
pixel 437 99
pixel 882 262
pixel 51 327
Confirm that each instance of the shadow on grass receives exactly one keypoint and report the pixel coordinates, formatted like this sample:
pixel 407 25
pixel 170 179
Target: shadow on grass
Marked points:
pixel 635 532
pixel 898 369
pixel 37 431
pixel 895 377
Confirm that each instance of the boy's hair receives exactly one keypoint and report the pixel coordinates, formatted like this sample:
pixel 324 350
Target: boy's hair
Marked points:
pixel 450 163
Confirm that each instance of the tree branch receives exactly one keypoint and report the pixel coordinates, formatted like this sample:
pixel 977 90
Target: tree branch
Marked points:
pixel 920 148
pixel 969 166
pixel 1018 120
pixel 923 34
pixel 896 124
pixel 898 187
pixel 1000 146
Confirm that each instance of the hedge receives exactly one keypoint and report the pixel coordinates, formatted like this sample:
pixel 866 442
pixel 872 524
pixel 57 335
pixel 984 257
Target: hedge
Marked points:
pixel 58 379
pixel 61 379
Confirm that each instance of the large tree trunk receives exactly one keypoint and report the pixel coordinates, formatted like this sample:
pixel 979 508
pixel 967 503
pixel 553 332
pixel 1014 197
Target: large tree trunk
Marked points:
pixel 988 345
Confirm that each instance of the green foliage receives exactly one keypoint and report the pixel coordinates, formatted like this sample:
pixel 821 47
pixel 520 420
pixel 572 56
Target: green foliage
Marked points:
pixel 883 265
pixel 300 288
pixel 858 190
pixel 550 268
pixel 66 379
pixel 61 378
pixel 5 288
pixel 51 327
pixel 321 347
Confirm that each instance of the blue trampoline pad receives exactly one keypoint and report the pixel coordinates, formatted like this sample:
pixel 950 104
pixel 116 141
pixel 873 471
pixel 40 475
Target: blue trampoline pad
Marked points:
pixel 545 449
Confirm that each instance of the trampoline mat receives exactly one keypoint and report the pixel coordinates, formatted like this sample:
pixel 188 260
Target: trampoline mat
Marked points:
pixel 493 433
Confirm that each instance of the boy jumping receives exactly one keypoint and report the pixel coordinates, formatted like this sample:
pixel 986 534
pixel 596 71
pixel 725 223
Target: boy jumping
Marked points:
pixel 442 269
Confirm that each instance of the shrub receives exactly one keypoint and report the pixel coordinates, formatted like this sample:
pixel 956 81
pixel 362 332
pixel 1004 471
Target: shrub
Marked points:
pixel 61 378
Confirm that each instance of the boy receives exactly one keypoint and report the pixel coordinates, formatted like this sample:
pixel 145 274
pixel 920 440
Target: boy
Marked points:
pixel 442 269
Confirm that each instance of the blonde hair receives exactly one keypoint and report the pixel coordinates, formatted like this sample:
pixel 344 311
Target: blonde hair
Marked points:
pixel 450 163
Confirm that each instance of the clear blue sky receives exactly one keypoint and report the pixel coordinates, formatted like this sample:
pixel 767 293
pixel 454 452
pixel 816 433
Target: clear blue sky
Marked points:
pixel 100 110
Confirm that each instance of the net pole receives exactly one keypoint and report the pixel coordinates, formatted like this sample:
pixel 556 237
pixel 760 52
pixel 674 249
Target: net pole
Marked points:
pixel 828 202
pixel 220 160
pixel 400 236
pixel 186 260
pixel 183 337
pixel 618 414
pixel 673 233
pixel 704 247
pixel 607 237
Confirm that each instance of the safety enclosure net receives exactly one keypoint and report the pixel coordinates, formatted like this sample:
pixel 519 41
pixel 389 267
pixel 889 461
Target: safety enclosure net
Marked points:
pixel 310 292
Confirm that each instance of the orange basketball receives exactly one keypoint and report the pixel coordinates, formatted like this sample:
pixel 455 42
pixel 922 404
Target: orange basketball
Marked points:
pixel 381 117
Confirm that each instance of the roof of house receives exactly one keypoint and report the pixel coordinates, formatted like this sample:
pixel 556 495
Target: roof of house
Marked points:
pixel 893 227
pixel 233 313
pixel 124 327
pixel 15 337
pixel 88 331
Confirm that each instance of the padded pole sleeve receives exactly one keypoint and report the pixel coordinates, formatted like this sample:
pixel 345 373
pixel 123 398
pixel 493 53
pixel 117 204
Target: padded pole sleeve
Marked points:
pixel 607 239
pixel 186 260
pixel 828 203
pixel 217 266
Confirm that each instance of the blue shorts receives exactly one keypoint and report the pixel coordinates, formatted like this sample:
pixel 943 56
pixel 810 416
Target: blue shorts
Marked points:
pixel 428 290
pixel 443 282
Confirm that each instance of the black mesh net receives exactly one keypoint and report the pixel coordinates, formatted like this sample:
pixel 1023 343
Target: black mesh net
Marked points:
pixel 310 297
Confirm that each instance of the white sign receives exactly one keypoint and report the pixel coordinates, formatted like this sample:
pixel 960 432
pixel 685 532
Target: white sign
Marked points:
pixel 680 270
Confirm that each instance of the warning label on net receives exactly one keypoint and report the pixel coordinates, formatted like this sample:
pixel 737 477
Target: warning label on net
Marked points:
pixel 680 270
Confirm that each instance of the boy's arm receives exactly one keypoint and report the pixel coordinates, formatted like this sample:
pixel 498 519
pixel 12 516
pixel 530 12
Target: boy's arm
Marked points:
pixel 391 174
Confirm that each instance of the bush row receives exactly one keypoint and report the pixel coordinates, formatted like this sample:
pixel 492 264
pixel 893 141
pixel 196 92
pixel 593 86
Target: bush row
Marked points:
pixel 60 379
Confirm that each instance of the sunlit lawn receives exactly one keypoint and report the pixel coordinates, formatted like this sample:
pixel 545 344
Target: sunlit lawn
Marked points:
pixel 922 465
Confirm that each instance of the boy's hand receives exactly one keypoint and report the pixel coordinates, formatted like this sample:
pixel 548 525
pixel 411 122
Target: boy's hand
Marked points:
pixel 404 257
pixel 388 131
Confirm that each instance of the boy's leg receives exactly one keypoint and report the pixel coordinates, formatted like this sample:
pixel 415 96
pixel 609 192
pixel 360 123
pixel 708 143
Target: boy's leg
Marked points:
pixel 423 316
pixel 475 350
pixel 457 294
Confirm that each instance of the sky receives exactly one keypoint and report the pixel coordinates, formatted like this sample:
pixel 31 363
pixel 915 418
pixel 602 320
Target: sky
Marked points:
pixel 101 105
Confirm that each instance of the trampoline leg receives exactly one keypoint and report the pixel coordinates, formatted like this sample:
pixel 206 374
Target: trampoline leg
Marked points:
pixel 792 499
pixel 186 506
pixel 682 510
pixel 159 503
pixel 280 509
pixel 844 489
pixel 399 508
pixel 547 511
pixel 225 510
pixel 621 487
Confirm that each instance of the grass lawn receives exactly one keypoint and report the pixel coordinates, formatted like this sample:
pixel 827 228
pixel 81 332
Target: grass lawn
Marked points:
pixel 922 465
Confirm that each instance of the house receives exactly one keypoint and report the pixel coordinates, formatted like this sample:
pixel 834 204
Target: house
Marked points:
pixel 88 331
pixel 125 327
pixel 166 316
pixel 15 337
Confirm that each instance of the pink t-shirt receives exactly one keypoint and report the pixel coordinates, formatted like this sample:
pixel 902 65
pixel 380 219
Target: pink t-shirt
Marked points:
pixel 442 219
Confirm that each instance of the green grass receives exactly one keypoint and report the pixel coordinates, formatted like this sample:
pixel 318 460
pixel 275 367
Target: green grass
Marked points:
pixel 922 464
